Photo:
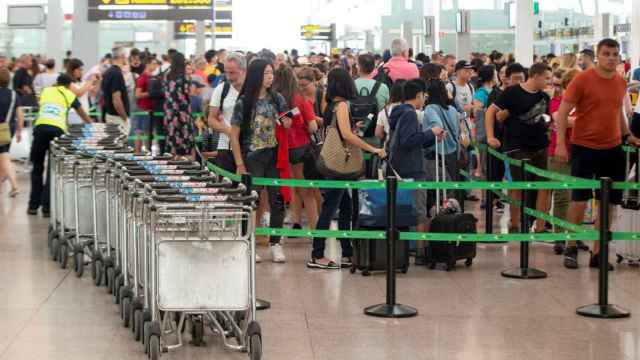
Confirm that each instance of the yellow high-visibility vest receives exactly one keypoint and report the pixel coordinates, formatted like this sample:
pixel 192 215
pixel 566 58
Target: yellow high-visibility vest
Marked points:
pixel 55 102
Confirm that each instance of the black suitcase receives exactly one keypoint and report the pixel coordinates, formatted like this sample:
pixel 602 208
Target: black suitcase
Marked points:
pixel 371 255
pixel 449 252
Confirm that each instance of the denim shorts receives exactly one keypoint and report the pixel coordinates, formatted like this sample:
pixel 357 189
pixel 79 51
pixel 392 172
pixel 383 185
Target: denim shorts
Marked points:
pixel 141 123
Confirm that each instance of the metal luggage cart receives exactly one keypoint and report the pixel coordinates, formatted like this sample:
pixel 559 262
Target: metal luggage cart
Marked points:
pixel 187 244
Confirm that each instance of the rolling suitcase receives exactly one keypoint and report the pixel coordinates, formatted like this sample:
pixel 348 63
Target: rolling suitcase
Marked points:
pixel 628 220
pixel 449 218
pixel 371 255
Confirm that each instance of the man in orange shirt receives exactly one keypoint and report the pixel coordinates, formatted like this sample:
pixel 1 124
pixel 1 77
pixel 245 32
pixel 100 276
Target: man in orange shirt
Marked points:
pixel 597 95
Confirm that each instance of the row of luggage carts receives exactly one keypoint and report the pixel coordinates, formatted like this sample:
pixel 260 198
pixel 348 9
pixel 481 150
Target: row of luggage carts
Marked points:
pixel 171 242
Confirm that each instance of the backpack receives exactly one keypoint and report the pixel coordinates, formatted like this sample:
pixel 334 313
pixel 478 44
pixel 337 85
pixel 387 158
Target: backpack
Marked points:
pixel 455 90
pixel 364 108
pixel 383 76
pixel 226 86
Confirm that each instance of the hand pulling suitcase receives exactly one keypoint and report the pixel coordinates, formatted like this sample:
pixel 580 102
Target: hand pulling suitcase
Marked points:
pixel 449 220
pixel 628 220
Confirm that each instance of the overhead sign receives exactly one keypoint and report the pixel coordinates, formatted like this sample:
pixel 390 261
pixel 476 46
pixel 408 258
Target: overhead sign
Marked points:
pixel 316 32
pixel 622 28
pixel 173 10
pixel 187 30
pixel 25 16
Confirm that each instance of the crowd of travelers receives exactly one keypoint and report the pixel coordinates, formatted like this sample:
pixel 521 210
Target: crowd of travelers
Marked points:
pixel 269 114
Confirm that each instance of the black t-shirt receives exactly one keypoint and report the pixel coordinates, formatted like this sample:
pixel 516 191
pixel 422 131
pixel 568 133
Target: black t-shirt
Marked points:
pixel 525 128
pixel 5 102
pixel 113 81
pixel 138 70
pixel 20 79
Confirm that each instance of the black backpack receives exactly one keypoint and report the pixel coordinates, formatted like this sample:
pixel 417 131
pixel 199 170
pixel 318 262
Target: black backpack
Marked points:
pixel 383 76
pixel 365 106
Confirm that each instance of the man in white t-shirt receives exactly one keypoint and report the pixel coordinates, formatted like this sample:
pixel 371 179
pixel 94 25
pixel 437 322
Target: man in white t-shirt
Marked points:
pixel 225 96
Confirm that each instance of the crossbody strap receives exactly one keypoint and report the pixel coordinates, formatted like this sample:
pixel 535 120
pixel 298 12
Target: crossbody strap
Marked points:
pixel 12 104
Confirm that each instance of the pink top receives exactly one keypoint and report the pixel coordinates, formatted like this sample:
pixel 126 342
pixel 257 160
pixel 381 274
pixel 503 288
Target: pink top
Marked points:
pixel 400 68
pixel 553 107
pixel 298 133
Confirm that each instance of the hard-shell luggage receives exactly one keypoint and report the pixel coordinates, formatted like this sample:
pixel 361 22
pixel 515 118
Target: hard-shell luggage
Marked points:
pixel 449 219
pixel 371 255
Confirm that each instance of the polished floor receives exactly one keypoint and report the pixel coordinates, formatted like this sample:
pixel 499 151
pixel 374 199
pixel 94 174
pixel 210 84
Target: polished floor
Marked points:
pixel 471 313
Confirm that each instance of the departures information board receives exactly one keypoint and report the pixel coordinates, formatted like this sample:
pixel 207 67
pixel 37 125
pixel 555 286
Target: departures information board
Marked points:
pixel 150 10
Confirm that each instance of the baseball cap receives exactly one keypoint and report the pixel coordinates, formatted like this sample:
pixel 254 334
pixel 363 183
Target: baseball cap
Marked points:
pixel 463 64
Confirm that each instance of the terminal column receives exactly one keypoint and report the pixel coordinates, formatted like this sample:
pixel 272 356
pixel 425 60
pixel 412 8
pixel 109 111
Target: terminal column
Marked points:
pixel 634 51
pixel 84 35
pixel 55 21
pixel 524 32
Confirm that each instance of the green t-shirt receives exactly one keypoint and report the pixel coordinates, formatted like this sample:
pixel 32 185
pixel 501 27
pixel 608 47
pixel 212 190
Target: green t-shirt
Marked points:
pixel 383 92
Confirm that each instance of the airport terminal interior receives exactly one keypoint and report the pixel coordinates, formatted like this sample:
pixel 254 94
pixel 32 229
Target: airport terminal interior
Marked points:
pixel 207 179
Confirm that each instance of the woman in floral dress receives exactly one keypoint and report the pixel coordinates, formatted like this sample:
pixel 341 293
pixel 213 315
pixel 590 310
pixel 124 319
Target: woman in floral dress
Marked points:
pixel 177 109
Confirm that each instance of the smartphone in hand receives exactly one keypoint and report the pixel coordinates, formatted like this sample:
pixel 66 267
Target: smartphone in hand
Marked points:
pixel 289 114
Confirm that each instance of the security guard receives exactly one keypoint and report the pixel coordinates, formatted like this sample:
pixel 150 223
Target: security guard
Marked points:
pixel 55 103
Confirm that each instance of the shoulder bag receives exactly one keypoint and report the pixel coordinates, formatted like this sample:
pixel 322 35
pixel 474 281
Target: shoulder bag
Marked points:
pixel 338 159
pixel 5 130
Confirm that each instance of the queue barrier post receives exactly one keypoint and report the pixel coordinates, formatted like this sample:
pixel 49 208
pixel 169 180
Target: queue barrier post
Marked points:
pixel 524 271
pixel 391 309
pixel 604 310
pixel 489 196
pixel 247 181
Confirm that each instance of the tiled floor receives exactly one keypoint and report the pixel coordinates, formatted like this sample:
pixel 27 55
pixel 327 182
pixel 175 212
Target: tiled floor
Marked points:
pixel 471 313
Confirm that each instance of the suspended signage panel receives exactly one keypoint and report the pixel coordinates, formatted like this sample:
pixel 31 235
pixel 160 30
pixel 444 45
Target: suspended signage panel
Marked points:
pixel 173 10
pixel 187 30
pixel 316 32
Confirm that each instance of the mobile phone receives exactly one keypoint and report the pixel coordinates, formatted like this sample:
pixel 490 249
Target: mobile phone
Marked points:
pixel 290 114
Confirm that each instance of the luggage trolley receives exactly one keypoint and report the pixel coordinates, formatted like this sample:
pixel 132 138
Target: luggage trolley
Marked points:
pixel 189 242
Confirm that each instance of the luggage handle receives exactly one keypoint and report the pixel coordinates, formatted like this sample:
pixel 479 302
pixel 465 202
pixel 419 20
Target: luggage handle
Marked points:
pixel 440 168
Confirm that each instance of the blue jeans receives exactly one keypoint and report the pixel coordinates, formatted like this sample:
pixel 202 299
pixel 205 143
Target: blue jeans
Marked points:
pixel 334 199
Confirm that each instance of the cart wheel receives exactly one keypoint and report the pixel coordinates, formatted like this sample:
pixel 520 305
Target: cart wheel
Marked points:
pixel 55 248
pixel 366 273
pixel 146 335
pixel 255 347
pixel 619 259
pixel 404 270
pixel 468 262
pixel 79 262
pixel 119 282
pixel 63 256
pixel 99 273
pixel 110 278
pixel 50 236
pixel 254 340
pixel 197 331
pixel 126 308
pixel 137 325
pixel 154 347
pixel 432 266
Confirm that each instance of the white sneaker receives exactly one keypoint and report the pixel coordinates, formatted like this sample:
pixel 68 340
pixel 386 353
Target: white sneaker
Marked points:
pixel 266 217
pixel 258 258
pixel 277 255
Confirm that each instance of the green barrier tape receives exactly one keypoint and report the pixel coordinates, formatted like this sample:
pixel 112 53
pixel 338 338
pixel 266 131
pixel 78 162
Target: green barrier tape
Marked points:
pixel 358 234
pixel 322 184
pixel 625 236
pixel 626 186
pixel 629 149
pixel 224 173
pixel 593 184
pixel 503 157
pixel 145 137
pixel 485 185
pixel 498 237
pixel 407 236
pixel 538 214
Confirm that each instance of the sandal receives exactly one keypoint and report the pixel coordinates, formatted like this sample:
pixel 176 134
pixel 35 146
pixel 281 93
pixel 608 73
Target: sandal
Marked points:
pixel 14 193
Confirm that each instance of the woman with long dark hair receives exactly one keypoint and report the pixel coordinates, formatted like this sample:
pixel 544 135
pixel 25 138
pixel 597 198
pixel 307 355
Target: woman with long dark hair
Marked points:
pixel 340 89
pixel 299 135
pixel 177 108
pixel 253 137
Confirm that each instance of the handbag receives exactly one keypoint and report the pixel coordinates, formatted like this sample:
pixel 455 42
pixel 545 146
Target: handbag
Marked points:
pixel 339 160
pixel 5 130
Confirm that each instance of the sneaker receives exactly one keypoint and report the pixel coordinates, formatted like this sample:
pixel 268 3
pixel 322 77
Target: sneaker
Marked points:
pixel 32 211
pixel 314 264
pixel 472 198
pixel 571 257
pixel 277 255
pixel 558 247
pixel 346 262
pixel 420 260
pixel 258 259
pixel 13 193
pixel 582 246
pixel 266 217
pixel 594 262
pixel 296 226
pixel 45 214
pixel 499 207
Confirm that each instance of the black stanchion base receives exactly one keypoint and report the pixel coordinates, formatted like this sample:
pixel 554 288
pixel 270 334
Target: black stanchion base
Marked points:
pixel 391 311
pixel 521 273
pixel 262 304
pixel 603 311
